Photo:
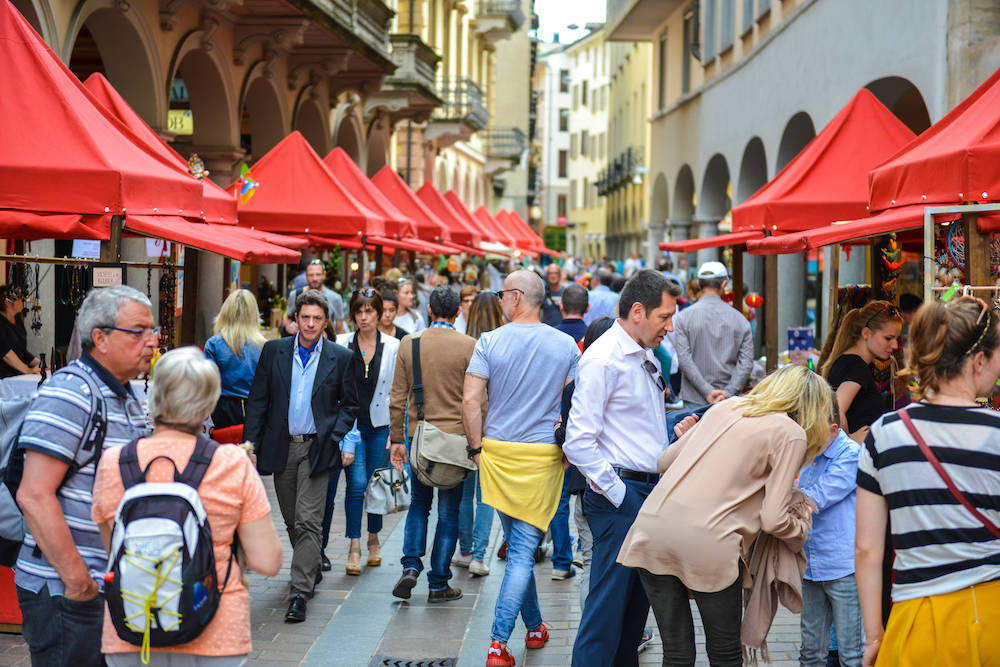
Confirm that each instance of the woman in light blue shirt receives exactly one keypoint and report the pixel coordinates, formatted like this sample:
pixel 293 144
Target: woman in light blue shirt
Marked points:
pixel 235 349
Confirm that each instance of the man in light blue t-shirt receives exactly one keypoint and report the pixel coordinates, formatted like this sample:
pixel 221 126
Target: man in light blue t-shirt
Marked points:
pixel 523 366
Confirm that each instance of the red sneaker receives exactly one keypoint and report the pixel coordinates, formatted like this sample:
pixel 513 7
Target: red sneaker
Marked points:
pixel 537 638
pixel 499 656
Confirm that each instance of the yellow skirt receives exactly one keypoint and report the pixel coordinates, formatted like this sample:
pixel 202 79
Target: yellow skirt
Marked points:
pixel 522 479
pixel 958 629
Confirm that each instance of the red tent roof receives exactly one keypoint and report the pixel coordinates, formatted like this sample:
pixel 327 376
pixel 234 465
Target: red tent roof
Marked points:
pixel 690 245
pixel 487 220
pixel 828 179
pixel 217 205
pixel 522 230
pixel 429 227
pixel 461 231
pixel 60 152
pixel 470 220
pixel 351 177
pixel 225 240
pixel 956 160
pixel 297 193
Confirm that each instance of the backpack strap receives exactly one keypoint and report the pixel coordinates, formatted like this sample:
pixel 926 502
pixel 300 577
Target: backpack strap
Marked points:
pixel 418 384
pixel 128 465
pixel 197 465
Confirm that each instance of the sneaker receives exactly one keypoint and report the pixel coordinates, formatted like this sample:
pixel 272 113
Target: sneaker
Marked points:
pixel 444 594
pixel 461 560
pixel 578 561
pixel 499 656
pixel 562 575
pixel 644 642
pixel 478 568
pixel 537 638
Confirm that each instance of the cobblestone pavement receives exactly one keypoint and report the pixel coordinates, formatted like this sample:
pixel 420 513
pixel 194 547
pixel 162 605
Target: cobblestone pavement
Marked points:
pixel 353 619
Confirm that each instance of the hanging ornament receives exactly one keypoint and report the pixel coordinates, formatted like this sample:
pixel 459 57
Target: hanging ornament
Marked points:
pixel 247 184
pixel 196 167
pixel 754 300
pixel 729 296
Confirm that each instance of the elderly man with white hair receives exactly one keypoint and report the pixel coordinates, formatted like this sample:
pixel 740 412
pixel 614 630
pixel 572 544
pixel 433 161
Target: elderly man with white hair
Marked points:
pixel 524 366
pixel 84 407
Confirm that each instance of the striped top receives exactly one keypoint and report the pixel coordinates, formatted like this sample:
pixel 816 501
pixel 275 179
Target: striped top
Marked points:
pixel 714 347
pixel 940 546
pixel 54 425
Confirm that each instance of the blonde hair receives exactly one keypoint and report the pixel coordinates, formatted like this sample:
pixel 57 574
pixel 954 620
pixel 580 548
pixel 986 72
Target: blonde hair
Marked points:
pixel 238 321
pixel 185 389
pixel 801 394
pixel 875 316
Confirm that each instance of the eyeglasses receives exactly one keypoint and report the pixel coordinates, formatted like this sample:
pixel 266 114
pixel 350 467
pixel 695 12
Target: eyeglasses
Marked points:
pixel 138 333
pixel 367 292
pixel 889 310
pixel 655 374
pixel 501 292
pixel 316 262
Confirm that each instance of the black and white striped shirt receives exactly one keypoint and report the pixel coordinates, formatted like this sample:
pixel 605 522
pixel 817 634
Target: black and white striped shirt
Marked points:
pixel 940 546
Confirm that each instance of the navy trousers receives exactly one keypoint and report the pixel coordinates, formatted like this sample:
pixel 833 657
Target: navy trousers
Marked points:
pixel 614 615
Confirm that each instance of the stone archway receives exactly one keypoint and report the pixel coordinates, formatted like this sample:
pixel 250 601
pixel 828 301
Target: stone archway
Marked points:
pixel 799 131
pixel 199 81
pixel 902 97
pixel 379 140
pixel 348 130
pixel 714 203
pixel 103 37
pixel 39 15
pixel 753 170
pixel 262 116
pixel 311 122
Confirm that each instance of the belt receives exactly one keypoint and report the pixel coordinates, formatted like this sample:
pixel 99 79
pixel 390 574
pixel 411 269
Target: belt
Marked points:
pixel 301 438
pixel 635 476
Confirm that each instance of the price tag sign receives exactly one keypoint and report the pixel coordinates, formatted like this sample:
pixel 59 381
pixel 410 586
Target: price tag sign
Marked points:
pixel 107 275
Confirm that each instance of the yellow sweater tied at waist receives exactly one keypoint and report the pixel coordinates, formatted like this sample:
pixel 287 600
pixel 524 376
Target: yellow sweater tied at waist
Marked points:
pixel 522 479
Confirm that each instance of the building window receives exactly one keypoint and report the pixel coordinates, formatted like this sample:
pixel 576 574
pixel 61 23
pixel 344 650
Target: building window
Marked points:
pixel 564 81
pixel 563 160
pixel 572 193
pixel 583 93
pixel 661 93
pixel 561 205
pixel 584 136
pixel 726 33
pixel 708 47
pixel 747 16
pixel 688 55
pixel 573 145
pixel 564 120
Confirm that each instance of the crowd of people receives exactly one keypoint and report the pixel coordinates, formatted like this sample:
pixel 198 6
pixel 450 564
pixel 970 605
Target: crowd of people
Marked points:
pixel 619 391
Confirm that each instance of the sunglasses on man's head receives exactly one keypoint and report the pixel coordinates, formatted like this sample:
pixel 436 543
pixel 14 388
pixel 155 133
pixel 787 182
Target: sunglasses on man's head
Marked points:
pixel 367 292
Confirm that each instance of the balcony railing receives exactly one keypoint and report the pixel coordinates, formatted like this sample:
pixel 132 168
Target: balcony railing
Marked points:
pixel 463 102
pixel 619 171
pixel 508 9
pixel 505 143
pixel 416 63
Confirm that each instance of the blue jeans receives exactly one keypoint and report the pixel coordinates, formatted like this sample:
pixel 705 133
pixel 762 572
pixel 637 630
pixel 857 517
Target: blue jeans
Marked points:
pixel 562 545
pixel 474 534
pixel 369 455
pixel 833 601
pixel 60 631
pixel 517 590
pixel 445 535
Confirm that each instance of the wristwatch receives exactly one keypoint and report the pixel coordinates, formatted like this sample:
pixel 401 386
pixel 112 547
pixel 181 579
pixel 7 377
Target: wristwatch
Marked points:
pixel 473 452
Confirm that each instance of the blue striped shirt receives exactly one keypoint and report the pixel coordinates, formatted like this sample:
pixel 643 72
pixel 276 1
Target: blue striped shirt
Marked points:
pixel 60 413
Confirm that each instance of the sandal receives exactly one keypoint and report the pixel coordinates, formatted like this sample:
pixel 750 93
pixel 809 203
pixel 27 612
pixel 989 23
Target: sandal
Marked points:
pixel 353 566
pixel 374 551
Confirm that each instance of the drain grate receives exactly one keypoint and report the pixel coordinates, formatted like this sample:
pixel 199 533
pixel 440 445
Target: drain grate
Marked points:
pixel 386 661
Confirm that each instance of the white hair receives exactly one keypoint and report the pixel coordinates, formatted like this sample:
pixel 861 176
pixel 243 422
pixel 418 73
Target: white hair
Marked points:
pixel 185 389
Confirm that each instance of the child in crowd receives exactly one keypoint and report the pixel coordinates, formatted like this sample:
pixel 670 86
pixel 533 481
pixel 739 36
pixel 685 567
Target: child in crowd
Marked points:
pixel 829 591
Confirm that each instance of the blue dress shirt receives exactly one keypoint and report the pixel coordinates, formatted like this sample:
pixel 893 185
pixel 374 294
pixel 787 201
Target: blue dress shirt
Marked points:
pixel 305 361
pixel 831 481
pixel 602 304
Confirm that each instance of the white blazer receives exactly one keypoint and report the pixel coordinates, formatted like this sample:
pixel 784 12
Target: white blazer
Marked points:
pixel 379 408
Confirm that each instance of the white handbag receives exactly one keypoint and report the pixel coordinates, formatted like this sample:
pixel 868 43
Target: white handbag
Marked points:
pixel 388 491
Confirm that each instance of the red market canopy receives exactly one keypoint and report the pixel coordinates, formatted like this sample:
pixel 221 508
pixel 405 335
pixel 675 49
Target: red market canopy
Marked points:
pixel 217 205
pixel 690 245
pixel 60 152
pixel 429 227
pixel 225 240
pixel 894 220
pixel 461 231
pixel 514 223
pixel 351 177
pixel 27 226
pixel 487 221
pixel 415 245
pixel 956 160
pixel 471 221
pixel 296 193
pixel 828 179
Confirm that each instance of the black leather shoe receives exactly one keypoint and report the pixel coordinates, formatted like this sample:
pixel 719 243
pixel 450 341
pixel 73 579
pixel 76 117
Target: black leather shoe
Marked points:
pixel 327 565
pixel 296 609
pixel 319 577
pixel 444 595
pixel 405 584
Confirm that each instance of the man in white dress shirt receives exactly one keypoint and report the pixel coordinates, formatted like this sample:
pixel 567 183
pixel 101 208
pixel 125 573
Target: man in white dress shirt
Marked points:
pixel 617 430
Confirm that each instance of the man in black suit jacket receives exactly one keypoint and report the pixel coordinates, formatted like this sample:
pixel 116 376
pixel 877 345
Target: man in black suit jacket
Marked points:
pixel 302 403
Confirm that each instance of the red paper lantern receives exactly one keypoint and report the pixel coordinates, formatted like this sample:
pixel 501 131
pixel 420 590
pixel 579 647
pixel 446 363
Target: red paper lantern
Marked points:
pixel 754 300
pixel 728 297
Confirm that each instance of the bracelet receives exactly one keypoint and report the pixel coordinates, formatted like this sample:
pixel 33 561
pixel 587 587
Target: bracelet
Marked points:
pixel 473 452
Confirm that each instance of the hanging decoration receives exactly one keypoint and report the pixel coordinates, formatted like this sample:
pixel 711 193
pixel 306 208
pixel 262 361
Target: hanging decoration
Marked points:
pixel 892 264
pixel 196 167
pixel 728 296
pixel 247 184
pixel 753 300
pixel 36 304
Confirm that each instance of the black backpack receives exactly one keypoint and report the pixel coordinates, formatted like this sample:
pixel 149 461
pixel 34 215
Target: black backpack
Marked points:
pixel 161 585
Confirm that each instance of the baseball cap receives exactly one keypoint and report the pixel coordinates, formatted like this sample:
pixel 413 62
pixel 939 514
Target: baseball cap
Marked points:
pixel 713 270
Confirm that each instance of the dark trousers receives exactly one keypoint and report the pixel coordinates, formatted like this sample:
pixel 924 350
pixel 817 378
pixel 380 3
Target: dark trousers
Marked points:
pixel 229 411
pixel 60 631
pixel 615 612
pixel 721 615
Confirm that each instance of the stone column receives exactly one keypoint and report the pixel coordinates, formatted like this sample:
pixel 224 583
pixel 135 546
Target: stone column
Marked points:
pixel 680 230
pixel 792 302
pixel 656 233
pixel 707 229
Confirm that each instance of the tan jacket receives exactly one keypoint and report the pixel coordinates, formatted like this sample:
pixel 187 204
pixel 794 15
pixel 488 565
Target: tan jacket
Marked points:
pixel 724 481
pixel 444 356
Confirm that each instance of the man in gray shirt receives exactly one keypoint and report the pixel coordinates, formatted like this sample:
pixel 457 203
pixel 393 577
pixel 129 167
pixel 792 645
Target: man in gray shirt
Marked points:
pixel 316 277
pixel 713 341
